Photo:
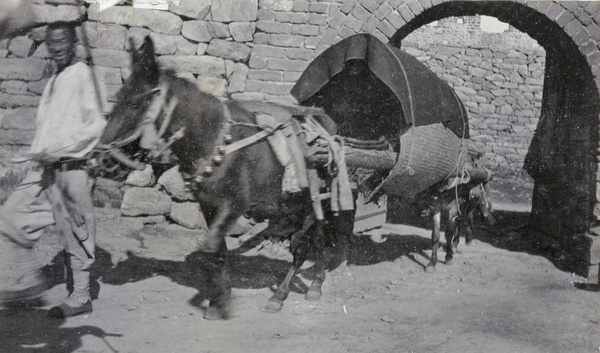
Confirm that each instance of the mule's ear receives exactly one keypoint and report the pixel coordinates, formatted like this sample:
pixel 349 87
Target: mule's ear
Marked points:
pixel 134 54
pixel 145 57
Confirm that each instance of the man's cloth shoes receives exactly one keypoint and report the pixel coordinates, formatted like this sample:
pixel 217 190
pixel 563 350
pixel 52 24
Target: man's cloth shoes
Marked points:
pixel 65 310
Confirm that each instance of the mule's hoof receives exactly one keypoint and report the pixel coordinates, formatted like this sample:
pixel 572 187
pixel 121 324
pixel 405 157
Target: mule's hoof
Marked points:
pixel 214 313
pixel 430 268
pixel 273 306
pixel 449 261
pixel 313 295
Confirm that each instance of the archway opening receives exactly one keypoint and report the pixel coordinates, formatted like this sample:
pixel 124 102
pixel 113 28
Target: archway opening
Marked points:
pixel 561 158
pixel 498 73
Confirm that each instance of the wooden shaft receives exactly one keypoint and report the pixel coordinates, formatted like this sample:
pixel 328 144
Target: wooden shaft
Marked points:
pixel 370 159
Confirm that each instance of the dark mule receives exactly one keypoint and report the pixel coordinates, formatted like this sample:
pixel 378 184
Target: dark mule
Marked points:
pixel 456 209
pixel 245 182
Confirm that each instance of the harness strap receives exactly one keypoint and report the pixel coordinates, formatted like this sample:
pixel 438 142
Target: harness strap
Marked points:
pixel 247 141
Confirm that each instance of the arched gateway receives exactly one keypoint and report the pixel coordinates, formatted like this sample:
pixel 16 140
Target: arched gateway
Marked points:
pixel 562 158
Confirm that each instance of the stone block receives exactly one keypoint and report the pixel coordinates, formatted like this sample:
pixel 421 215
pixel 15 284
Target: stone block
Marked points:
pixel 594 241
pixel 164 44
pixel 145 201
pixel 27 69
pixel 274 27
pixel 262 38
pixel 291 17
pixel 107 36
pixel 283 40
pixel 141 178
pixel 201 65
pixel 277 88
pixel 564 18
pixel 49 13
pixel 257 62
pixel 131 225
pixel 187 214
pixel 405 12
pixel 20 118
pixel 300 6
pixel 448 50
pixel 16 137
pixel 384 10
pixel 478 72
pixel 347 6
pixel 306 30
pixel 21 46
pixel 237 80
pixel 18 100
pixel 242 31
pixel 197 31
pixel 174 185
pixel 265 75
pixel 195 9
pixel 214 85
pixel 108 75
pixel 268 51
pixel 487 108
pixel 266 15
pixel 396 19
pixel 286 64
pixel 111 58
pixel 360 13
pixel 37 87
pixel 388 30
pixel 466 90
pixel 18 87
pixel 229 50
pixel 201 49
pixel 234 10
pixel 184 46
pixel 157 21
pixel 415 7
pixel 281 5
pixel 318 19
pixel 291 76
pixel 299 54
pixel 218 30
pixel 160 219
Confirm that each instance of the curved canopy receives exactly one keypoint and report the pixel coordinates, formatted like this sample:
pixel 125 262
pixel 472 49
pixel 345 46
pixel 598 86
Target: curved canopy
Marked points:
pixel 424 98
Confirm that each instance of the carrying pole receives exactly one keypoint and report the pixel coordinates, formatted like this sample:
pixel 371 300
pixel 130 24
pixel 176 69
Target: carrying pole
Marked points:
pixel 88 53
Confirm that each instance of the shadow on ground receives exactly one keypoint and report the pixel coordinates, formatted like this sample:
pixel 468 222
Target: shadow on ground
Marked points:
pixel 248 271
pixel 26 328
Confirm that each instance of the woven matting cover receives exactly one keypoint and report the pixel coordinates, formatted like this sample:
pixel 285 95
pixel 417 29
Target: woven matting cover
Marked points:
pixel 428 154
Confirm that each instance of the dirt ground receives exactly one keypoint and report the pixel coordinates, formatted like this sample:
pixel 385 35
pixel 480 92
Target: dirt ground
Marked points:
pixel 501 294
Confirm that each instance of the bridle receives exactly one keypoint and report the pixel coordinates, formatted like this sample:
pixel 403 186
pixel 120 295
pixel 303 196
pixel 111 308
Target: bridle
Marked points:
pixel 153 141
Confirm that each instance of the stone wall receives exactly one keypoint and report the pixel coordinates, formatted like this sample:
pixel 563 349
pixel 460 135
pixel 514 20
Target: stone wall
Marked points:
pixel 254 49
pixel 498 76
pixel 230 48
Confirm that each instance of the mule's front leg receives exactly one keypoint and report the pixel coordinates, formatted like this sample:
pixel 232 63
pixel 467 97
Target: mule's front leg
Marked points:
pixel 435 240
pixel 215 265
pixel 218 280
pixel 314 292
pixel 300 247
pixel 275 303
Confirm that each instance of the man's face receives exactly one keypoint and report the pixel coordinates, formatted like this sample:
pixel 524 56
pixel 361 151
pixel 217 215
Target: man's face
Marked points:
pixel 61 47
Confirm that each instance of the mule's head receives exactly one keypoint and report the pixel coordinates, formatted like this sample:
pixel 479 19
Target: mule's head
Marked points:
pixel 135 96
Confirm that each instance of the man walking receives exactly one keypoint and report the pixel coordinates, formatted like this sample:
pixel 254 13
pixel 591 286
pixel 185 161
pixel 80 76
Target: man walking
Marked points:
pixel 70 123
